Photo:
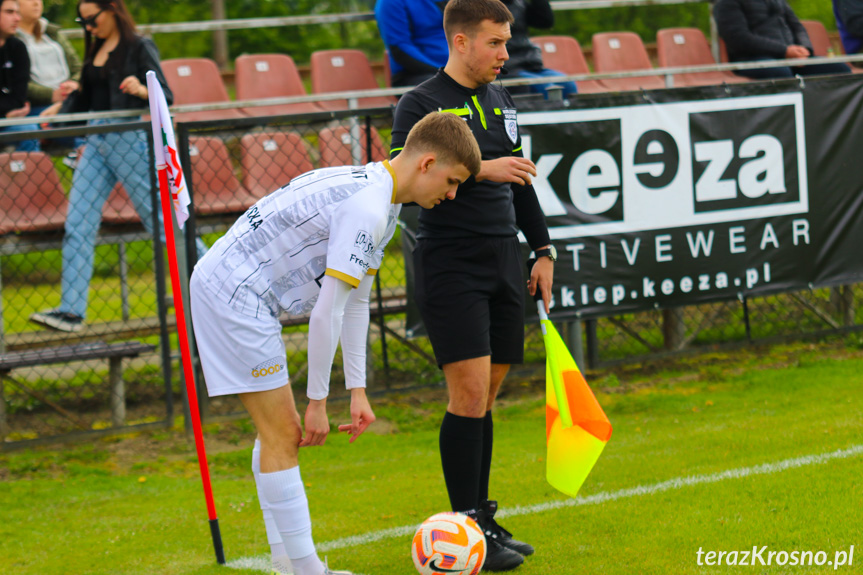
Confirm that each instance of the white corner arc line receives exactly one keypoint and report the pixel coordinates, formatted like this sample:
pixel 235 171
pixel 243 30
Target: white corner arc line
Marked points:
pixel 262 563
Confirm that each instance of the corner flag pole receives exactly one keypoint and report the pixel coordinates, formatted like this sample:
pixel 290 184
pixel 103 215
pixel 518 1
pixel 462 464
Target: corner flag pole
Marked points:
pixel 173 190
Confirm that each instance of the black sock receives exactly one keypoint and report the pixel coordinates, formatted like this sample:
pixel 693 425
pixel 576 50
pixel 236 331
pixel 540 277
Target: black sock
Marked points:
pixel 461 454
pixel 485 469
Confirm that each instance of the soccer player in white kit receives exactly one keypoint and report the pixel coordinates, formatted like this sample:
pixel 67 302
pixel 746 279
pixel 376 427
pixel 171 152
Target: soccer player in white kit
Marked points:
pixel 311 246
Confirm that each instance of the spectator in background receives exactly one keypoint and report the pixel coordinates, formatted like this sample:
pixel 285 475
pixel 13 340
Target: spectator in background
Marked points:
pixel 756 30
pixel 116 61
pixel 849 22
pixel 525 58
pixel 412 31
pixel 14 73
pixel 54 66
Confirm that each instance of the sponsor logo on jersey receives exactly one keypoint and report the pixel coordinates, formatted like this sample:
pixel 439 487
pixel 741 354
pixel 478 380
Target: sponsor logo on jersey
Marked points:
pixel 365 242
pixel 269 367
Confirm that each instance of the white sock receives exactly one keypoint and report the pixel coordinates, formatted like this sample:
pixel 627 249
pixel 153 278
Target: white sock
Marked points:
pixel 274 538
pixel 286 496
pixel 310 565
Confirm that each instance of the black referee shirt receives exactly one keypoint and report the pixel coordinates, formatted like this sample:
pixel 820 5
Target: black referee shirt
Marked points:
pixel 480 208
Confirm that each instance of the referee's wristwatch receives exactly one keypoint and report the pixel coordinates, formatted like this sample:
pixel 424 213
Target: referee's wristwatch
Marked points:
pixel 550 252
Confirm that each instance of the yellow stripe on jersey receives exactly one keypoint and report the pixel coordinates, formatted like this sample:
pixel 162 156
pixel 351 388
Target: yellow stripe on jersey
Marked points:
pixel 354 282
pixel 395 180
pixel 372 272
pixel 481 113
pixel 466 111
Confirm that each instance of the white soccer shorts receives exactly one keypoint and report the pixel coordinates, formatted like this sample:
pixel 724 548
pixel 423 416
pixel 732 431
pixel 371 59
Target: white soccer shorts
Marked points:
pixel 239 353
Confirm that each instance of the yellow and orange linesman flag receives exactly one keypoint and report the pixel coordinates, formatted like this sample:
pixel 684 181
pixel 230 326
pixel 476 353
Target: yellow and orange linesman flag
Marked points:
pixel 576 428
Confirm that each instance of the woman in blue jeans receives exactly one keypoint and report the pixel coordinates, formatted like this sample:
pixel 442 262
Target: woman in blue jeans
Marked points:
pixel 113 78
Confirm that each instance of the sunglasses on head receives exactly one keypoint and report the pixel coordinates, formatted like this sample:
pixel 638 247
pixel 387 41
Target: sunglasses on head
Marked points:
pixel 91 21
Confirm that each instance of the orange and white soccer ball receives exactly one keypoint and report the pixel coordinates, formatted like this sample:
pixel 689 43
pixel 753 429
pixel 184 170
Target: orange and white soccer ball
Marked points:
pixel 448 544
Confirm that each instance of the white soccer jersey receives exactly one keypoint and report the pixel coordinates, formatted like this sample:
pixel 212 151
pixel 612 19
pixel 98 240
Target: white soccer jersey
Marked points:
pixel 333 221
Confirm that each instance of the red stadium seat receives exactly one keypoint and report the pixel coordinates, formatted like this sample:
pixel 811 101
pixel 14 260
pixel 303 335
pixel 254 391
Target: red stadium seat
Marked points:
pixel 259 76
pixel 679 47
pixel 31 196
pixel 723 51
pixel 197 81
pixel 335 146
pixel 563 53
pixel 623 52
pixel 821 45
pixel 215 188
pixel 343 71
pixel 272 159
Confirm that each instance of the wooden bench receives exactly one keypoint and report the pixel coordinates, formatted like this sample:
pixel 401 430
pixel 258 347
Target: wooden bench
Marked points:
pixel 113 352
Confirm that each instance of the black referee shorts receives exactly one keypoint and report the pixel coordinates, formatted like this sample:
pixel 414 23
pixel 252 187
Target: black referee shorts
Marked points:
pixel 470 293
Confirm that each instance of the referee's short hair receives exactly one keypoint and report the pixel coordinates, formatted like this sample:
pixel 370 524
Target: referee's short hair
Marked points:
pixel 465 16
pixel 448 137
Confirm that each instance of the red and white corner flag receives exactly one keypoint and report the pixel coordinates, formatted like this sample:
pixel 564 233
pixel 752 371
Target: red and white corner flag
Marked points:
pixel 166 149
pixel 171 181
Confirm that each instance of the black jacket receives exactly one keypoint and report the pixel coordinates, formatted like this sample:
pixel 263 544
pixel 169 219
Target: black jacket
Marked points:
pixel 141 56
pixel 758 28
pixel 480 208
pixel 533 13
pixel 14 75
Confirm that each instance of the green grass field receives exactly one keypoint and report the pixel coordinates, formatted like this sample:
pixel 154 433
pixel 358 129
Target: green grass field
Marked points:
pixel 134 504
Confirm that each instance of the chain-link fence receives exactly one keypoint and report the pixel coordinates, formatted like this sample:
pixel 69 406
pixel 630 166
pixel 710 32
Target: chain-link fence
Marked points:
pixel 654 334
pixel 84 335
pixel 116 369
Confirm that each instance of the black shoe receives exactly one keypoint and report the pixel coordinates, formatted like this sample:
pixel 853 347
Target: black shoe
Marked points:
pixel 495 532
pixel 58 320
pixel 500 558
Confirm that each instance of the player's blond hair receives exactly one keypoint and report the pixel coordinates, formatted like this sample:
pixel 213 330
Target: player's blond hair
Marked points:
pixel 465 16
pixel 448 137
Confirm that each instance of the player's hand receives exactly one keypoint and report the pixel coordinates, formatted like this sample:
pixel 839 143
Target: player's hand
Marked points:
pixel 132 85
pixel 541 277
pixel 507 169
pixel 361 414
pixel 317 423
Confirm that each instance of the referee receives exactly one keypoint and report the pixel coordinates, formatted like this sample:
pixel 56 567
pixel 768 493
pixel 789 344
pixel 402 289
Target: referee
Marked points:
pixel 470 287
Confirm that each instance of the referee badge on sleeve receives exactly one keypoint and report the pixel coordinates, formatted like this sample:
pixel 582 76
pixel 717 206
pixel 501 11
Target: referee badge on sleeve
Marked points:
pixel 510 124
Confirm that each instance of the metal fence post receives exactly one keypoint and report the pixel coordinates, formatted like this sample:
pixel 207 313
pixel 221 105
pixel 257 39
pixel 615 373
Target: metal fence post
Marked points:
pixel 3 426
pixel 848 310
pixel 574 341
pixel 356 145
pixel 118 392
pixel 2 322
pixel 673 328
pixel 382 322
pixel 592 344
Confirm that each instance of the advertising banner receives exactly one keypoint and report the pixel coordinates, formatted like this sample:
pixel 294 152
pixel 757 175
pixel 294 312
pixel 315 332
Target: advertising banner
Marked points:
pixel 676 197
pixel 670 203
